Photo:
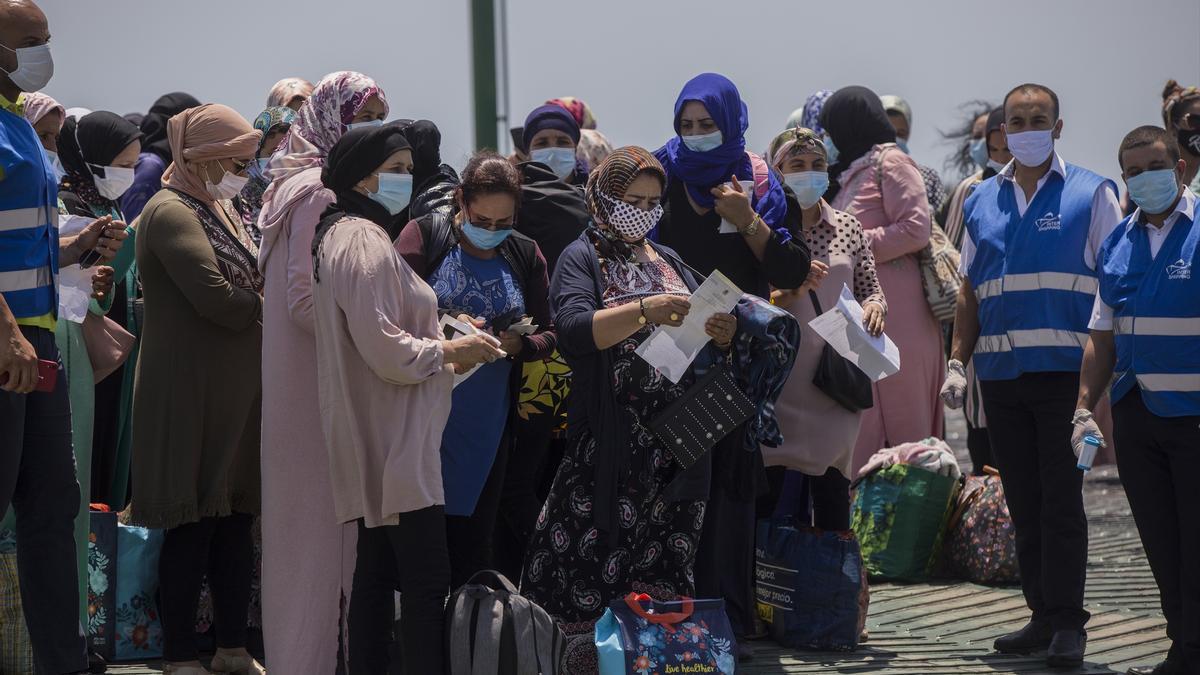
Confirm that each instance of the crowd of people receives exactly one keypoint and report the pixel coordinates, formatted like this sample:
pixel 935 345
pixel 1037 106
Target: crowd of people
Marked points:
pixel 206 320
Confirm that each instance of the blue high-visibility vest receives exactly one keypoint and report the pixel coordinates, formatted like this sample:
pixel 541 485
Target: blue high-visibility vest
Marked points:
pixel 1035 290
pixel 1156 316
pixel 28 221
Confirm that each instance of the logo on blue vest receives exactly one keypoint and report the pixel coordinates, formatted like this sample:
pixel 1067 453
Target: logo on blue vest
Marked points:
pixel 1180 270
pixel 1049 221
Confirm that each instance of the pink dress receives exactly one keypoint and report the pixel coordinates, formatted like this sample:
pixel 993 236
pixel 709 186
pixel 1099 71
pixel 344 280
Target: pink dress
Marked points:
pixel 818 433
pixel 308 555
pixel 893 210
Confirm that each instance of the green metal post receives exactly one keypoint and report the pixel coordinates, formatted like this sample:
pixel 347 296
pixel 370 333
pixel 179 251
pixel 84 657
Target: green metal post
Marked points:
pixel 483 65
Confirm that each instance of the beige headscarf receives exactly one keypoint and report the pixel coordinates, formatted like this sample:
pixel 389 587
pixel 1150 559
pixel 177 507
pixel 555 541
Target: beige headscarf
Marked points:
pixel 38 105
pixel 287 89
pixel 207 132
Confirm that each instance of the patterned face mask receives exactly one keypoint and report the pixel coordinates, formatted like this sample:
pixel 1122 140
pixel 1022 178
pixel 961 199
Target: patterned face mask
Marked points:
pixel 627 220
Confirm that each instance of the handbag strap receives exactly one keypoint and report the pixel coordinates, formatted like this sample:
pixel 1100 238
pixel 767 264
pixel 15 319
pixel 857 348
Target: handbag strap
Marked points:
pixel 664 619
pixel 816 303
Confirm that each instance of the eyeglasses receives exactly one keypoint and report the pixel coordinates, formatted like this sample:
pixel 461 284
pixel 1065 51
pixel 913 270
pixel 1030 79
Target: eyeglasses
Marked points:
pixel 503 224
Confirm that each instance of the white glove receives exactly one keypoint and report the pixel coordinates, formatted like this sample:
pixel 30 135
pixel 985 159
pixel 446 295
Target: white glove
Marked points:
pixel 954 390
pixel 1085 425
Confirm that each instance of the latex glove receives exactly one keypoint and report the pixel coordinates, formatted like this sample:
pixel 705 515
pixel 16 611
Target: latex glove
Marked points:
pixel 954 390
pixel 1085 425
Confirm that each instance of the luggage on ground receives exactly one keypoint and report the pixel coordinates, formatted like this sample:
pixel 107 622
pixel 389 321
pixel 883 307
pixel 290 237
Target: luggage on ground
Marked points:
pixel 981 545
pixel 492 630
pixel 638 635
pixel 900 515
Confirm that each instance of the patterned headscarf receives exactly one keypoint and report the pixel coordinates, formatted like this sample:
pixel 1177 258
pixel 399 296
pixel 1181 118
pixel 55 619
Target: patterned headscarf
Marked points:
pixel 252 195
pixel 578 109
pixel 614 175
pixel 334 102
pixel 811 117
pixel 593 148
pixel 38 105
pixel 287 89
pixel 796 119
pixel 793 142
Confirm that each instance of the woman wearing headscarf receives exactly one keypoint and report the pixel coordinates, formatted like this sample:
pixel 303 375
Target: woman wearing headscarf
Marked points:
pixel 46 116
pixel 434 182
pixel 384 393
pixel 877 183
pixel 756 250
pixel 622 511
pixel 818 433
pixel 478 266
pixel 303 547
pixel 900 115
pixel 290 92
pixel 196 419
pixel 274 123
pixel 156 151
pixel 551 136
pixel 1181 115
pixel 593 146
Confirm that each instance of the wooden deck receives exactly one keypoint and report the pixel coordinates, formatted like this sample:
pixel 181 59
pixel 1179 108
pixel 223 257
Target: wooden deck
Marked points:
pixel 946 627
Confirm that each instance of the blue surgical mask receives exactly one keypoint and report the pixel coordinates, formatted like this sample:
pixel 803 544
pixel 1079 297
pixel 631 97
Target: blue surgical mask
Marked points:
pixel 704 142
pixel 262 164
pixel 395 191
pixel 808 186
pixel 979 152
pixel 560 160
pixel 482 238
pixel 1154 191
pixel 364 125
pixel 831 150
pixel 902 143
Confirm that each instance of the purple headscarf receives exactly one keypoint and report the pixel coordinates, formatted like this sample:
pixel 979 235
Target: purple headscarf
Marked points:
pixel 811 119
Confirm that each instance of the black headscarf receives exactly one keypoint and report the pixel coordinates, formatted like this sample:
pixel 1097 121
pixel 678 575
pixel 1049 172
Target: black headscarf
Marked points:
pixel 856 122
pixel 356 155
pixel 154 125
pixel 96 140
pixel 426 142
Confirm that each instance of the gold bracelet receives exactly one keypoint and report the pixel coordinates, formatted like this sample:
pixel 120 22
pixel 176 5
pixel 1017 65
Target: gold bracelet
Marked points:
pixel 752 228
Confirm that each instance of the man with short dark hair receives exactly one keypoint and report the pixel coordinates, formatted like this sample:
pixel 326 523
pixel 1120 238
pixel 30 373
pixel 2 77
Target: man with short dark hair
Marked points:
pixel 1146 327
pixel 37 465
pixel 1028 266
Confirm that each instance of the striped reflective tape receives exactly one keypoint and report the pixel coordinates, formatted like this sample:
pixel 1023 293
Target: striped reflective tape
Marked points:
pixel 24 280
pixel 1168 326
pixel 1024 339
pixel 23 219
pixel 1037 281
pixel 1187 382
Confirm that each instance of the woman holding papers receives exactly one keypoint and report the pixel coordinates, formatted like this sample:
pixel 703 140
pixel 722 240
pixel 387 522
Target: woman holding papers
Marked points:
pixel 384 395
pixel 818 433
pixel 478 266
pixel 610 520
pixel 873 180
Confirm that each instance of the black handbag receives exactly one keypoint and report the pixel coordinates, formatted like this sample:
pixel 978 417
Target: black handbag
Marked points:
pixel 706 413
pixel 839 379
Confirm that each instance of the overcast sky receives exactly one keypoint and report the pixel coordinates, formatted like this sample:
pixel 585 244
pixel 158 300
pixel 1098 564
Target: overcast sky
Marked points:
pixel 1107 59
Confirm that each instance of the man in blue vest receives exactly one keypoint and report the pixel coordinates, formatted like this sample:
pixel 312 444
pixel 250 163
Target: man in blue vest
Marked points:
pixel 37 465
pixel 1028 265
pixel 1146 328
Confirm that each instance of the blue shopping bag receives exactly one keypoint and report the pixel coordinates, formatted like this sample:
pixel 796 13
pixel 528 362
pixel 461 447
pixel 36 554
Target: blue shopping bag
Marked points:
pixel 640 636
pixel 139 629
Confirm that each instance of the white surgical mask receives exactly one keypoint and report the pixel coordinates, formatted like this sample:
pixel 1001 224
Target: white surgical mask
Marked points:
pixel 364 125
pixel 114 183
pixel 808 186
pixel 704 142
pixel 35 67
pixel 55 165
pixel 1031 148
pixel 994 165
pixel 229 187
pixel 560 160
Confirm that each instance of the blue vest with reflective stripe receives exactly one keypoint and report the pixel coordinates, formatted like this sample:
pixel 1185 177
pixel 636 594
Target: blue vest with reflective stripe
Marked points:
pixel 1156 310
pixel 28 221
pixel 1034 289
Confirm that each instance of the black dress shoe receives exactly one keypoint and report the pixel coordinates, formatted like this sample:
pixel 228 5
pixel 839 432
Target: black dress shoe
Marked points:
pixel 1168 667
pixel 1034 637
pixel 1066 648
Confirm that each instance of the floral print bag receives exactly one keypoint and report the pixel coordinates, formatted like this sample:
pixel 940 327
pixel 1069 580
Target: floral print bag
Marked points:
pixel 982 544
pixel 641 636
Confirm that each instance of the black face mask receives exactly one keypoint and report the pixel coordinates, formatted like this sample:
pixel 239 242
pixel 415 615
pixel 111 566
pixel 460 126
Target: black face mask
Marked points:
pixel 1189 140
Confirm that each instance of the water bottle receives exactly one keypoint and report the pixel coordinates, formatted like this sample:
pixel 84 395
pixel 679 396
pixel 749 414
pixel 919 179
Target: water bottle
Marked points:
pixel 1088 454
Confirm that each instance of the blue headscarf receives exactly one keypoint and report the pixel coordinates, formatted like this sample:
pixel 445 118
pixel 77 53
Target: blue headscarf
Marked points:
pixel 702 171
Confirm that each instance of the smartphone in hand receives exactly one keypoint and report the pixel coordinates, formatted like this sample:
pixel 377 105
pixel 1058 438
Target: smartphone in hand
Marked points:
pixel 47 376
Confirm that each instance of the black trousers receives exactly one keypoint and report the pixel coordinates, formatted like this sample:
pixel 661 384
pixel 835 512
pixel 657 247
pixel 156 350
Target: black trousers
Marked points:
pixel 1029 421
pixel 222 548
pixel 1159 460
pixel 829 494
pixel 469 538
pixel 534 455
pixel 413 553
pixel 979 447
pixel 37 477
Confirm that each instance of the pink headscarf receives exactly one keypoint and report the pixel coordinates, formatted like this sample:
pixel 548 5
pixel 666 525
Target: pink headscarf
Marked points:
pixel 38 105
pixel 210 131
pixel 334 102
pixel 287 89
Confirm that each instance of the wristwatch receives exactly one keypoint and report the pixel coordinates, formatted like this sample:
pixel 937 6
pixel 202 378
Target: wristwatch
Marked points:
pixel 642 306
pixel 752 228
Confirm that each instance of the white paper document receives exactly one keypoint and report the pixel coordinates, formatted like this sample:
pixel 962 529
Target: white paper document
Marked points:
pixel 671 349
pixel 451 328
pixel 74 284
pixel 726 226
pixel 842 327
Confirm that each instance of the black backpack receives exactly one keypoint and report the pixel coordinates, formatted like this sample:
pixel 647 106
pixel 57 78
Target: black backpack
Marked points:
pixel 492 630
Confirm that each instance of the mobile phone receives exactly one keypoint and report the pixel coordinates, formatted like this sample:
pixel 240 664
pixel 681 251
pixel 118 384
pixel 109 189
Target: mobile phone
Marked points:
pixel 504 321
pixel 90 258
pixel 47 376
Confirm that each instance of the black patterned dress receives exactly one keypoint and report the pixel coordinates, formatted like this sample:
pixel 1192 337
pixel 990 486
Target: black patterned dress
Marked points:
pixel 568 569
